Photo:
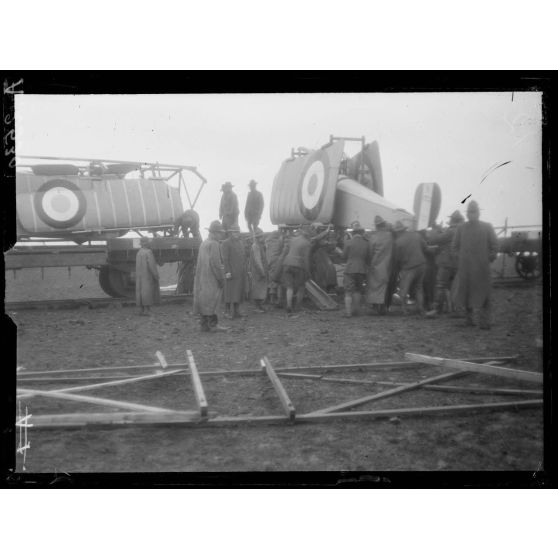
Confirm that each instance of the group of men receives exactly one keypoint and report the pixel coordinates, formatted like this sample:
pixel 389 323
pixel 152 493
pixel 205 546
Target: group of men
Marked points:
pixel 387 264
pixel 460 257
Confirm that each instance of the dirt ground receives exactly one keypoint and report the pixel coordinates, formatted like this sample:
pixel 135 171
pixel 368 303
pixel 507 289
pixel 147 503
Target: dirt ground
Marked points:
pixel 482 441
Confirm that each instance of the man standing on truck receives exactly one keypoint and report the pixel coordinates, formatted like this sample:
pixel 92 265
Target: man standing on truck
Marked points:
pixel 147 278
pixel 228 208
pixel 476 246
pixel 254 207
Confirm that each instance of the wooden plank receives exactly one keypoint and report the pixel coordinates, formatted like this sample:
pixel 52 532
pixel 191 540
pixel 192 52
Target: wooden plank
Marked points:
pixel 197 385
pixel 94 400
pixel 511 373
pixel 388 393
pixel 162 360
pixel 286 403
pixel 112 383
pixel 112 419
pixel 326 367
pixel 187 419
pixel 105 368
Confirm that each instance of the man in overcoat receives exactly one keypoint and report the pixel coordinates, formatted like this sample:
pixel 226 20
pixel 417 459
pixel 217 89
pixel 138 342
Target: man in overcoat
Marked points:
pixel 147 278
pixel 257 271
pixel 209 280
pixel 379 271
pixel 254 207
pixel 234 261
pixel 476 246
pixel 228 208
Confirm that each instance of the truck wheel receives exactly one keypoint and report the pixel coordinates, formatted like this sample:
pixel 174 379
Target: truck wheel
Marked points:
pixel 116 283
pixel 527 265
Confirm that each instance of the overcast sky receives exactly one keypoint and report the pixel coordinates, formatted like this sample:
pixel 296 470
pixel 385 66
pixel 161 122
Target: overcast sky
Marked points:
pixel 449 138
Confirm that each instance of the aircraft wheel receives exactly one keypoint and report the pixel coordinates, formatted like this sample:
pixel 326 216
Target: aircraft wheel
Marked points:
pixel 116 283
pixel 527 265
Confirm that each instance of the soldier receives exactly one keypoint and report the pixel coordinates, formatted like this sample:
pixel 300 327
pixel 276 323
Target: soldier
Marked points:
pixel 257 271
pixel 476 246
pixel 446 262
pixel 274 244
pixel 296 264
pixel 254 207
pixel 209 280
pixel 147 278
pixel 410 248
pixel 228 208
pixel 356 253
pixel 188 222
pixel 379 271
pixel 234 260
pixel 322 270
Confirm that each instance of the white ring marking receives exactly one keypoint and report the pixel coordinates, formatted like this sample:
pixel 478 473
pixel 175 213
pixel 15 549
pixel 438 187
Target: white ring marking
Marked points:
pixel 315 171
pixel 69 197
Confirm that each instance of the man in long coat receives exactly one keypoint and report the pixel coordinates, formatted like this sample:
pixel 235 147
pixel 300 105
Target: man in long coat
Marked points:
pixel 476 246
pixel 234 261
pixel 257 271
pixel 254 207
pixel 209 280
pixel 147 278
pixel 228 208
pixel 379 271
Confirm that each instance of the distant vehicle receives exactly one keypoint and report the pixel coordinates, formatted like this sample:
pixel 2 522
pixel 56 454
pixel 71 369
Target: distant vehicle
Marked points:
pixel 327 186
pixel 526 247
pixel 61 202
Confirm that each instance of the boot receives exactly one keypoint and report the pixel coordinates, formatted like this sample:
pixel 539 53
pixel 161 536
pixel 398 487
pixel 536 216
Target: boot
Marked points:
pixel 348 306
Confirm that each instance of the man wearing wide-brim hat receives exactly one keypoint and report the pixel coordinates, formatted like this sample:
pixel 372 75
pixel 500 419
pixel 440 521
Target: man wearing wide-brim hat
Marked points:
pixel 379 272
pixel 254 207
pixel 209 280
pixel 410 250
pixel 446 263
pixel 228 208
pixel 476 246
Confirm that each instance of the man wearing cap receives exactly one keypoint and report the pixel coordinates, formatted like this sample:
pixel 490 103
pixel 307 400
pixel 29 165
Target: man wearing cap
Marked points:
pixel 296 264
pixel 228 208
pixel 476 246
pixel 446 262
pixel 234 261
pixel 381 252
pixel 254 207
pixel 410 249
pixel 209 280
pixel 188 222
pixel 274 244
pixel 356 254
pixel 147 278
pixel 257 271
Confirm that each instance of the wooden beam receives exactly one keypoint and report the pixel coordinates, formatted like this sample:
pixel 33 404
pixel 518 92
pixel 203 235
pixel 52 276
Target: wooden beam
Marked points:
pixel 162 360
pixel 288 407
pixel 106 368
pixel 111 419
pixel 111 383
pixel 511 373
pixel 187 419
pixel 388 393
pixel 197 385
pixel 94 400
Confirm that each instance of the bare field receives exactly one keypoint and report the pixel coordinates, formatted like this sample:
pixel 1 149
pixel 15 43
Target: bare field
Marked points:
pixel 497 440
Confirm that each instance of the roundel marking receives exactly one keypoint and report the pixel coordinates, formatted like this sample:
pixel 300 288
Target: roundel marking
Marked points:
pixel 60 203
pixel 312 189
